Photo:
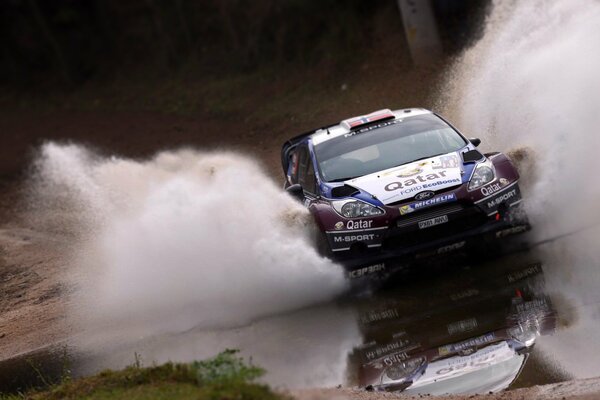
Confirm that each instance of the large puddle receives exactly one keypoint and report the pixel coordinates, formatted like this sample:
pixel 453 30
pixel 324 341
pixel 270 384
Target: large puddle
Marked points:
pixel 461 328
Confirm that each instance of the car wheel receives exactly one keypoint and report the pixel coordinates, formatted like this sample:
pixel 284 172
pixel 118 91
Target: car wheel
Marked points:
pixel 322 244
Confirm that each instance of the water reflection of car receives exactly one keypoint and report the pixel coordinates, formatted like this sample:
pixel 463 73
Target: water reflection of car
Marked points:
pixel 473 346
pixel 397 183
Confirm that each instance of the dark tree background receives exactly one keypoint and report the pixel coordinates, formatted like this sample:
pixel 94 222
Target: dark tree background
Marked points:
pixel 66 42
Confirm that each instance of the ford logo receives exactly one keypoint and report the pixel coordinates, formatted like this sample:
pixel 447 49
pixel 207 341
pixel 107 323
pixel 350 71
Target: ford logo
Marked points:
pixel 425 195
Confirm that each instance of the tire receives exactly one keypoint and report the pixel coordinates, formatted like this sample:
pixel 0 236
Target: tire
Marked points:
pixel 322 244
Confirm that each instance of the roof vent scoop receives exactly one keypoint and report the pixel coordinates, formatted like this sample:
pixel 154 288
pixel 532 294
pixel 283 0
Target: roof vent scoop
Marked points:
pixel 355 122
pixel 343 191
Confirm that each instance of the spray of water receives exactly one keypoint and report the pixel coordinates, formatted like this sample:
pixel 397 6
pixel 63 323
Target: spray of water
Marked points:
pixel 531 87
pixel 184 239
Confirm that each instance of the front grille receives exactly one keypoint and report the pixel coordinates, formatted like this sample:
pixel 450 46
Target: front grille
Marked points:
pixel 460 218
pixel 429 213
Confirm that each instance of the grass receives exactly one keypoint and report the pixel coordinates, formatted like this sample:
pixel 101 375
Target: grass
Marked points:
pixel 225 376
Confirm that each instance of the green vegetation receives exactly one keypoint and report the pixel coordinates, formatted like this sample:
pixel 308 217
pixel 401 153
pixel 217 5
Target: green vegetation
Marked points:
pixel 225 376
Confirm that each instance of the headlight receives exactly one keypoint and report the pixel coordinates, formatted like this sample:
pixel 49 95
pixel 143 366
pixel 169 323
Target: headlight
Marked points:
pixel 524 334
pixel 356 208
pixel 402 371
pixel 484 173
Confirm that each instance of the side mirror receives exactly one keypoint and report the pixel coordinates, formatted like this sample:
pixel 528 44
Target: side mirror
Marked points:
pixel 296 192
pixel 475 141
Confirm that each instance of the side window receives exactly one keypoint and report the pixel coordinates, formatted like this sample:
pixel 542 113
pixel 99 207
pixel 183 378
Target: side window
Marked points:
pixel 302 154
pixel 310 181
pixel 306 173
pixel 294 164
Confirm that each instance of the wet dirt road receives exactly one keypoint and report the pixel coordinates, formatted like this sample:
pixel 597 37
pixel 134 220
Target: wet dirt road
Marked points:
pixel 460 327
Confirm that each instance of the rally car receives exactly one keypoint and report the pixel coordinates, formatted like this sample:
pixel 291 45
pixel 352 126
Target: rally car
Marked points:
pixel 400 183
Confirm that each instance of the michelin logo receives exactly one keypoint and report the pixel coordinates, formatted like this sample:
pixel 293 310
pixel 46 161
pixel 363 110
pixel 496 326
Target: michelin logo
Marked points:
pixel 427 203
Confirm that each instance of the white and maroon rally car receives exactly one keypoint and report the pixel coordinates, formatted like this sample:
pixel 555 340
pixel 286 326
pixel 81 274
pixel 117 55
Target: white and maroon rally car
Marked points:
pixel 401 183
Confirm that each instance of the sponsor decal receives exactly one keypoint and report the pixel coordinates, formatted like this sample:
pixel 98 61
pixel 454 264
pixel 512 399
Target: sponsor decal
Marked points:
pixel 442 250
pixel 399 357
pixel 467 344
pixel 448 161
pixel 342 240
pixel 372 127
pixel 501 199
pixel 359 224
pixel 408 191
pixel 383 350
pixel 406 171
pixel 339 225
pixel 425 195
pixel 490 189
pixel 488 356
pixel 406 209
pixel 509 194
pixel 451 247
pixel 353 238
pixel 409 172
pixel 428 223
pixel 421 178
pixel 465 294
pixel 376 316
pixel 531 270
pixel 395 358
pixel 503 181
pixel 511 231
pixel 367 270
pixel 393 185
pixel 466 325
pixel 536 305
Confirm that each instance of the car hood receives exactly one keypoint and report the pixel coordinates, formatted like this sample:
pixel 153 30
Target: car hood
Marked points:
pixel 490 369
pixel 405 181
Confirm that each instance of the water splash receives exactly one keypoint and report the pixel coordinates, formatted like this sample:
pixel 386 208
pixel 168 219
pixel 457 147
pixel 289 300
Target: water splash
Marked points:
pixel 531 87
pixel 184 239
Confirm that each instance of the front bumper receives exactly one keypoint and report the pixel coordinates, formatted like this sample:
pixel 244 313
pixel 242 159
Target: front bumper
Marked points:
pixel 467 225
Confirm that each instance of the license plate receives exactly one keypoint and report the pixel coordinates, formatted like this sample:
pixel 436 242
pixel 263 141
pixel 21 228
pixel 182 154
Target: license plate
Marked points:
pixel 428 223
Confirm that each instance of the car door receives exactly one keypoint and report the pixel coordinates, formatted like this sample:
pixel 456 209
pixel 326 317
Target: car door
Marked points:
pixel 306 176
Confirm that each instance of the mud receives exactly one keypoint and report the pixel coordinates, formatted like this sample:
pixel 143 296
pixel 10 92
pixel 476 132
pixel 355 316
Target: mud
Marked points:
pixel 32 302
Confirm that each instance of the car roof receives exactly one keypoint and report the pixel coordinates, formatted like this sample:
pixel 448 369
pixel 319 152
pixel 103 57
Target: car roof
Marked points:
pixel 324 134
pixel 331 131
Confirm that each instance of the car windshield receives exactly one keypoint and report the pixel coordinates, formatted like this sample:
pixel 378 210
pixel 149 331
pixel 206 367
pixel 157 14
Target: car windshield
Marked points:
pixel 391 144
